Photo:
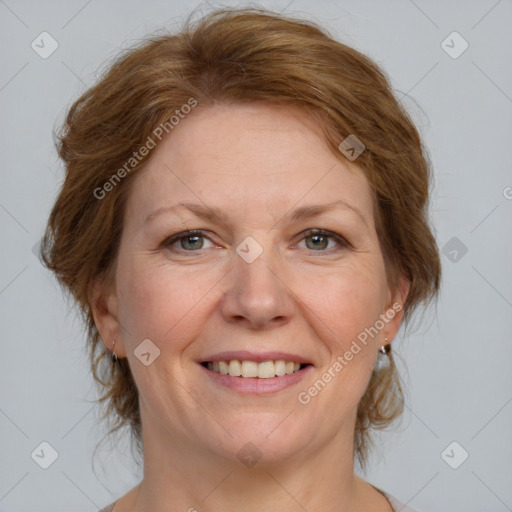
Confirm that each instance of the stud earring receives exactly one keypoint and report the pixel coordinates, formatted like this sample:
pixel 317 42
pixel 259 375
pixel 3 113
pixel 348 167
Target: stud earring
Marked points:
pixel 114 355
pixel 386 348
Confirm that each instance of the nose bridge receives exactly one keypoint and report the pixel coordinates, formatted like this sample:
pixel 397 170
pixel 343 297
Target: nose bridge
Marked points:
pixel 256 292
pixel 256 281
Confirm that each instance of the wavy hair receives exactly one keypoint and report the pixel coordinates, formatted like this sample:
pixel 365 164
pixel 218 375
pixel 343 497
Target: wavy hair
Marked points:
pixel 238 55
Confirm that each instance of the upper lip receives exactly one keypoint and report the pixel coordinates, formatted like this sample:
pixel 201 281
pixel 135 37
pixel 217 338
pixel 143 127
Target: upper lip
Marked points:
pixel 245 355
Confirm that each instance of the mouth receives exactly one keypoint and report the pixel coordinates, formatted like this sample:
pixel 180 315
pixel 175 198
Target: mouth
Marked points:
pixel 257 374
pixel 248 369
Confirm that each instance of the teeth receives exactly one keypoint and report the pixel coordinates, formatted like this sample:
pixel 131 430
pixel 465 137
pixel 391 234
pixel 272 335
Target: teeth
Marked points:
pixel 248 369
pixel 280 367
pixel 223 367
pixel 235 368
pixel 266 370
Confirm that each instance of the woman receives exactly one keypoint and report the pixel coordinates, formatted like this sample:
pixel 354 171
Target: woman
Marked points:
pixel 244 225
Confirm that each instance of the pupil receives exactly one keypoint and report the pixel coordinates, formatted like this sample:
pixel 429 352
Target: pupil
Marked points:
pixel 318 240
pixel 193 237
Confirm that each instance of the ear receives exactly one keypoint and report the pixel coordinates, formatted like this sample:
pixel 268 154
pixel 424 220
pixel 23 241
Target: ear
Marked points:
pixel 394 310
pixel 104 308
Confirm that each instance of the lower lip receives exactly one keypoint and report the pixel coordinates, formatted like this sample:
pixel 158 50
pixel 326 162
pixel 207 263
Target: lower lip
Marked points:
pixel 255 385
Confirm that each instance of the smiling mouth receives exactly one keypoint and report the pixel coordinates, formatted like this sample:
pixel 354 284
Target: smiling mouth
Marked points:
pixel 251 369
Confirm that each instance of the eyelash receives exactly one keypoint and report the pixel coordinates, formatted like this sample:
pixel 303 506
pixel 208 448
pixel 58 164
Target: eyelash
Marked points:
pixel 342 242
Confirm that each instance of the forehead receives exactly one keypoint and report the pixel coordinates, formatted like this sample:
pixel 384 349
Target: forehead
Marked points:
pixel 248 155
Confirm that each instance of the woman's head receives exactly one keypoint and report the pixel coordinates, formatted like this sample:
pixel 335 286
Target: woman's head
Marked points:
pixel 243 113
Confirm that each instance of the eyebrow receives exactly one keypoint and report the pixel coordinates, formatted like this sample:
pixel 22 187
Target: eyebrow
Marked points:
pixel 217 215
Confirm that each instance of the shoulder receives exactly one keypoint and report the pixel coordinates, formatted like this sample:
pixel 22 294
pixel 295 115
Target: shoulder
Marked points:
pixel 108 508
pixel 397 505
pixel 376 498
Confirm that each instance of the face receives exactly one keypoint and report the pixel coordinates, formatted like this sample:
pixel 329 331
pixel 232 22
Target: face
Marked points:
pixel 265 277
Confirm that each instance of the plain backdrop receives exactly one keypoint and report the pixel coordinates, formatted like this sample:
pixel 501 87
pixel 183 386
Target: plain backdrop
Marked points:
pixel 453 450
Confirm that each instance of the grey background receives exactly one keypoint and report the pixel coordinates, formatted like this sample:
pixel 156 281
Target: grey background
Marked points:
pixel 457 364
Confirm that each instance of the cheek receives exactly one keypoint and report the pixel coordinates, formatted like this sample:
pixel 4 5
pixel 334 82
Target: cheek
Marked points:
pixel 353 300
pixel 153 301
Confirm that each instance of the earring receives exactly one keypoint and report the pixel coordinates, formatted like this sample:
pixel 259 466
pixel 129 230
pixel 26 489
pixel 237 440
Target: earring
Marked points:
pixel 385 349
pixel 114 355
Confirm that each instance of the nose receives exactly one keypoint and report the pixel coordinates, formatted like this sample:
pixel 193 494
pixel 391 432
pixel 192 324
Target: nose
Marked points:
pixel 257 296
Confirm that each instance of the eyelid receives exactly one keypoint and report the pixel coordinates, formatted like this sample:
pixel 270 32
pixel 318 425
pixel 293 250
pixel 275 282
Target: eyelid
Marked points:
pixel 341 240
pixel 328 234
pixel 184 234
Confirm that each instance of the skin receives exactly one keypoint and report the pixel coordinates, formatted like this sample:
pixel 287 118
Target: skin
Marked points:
pixel 256 163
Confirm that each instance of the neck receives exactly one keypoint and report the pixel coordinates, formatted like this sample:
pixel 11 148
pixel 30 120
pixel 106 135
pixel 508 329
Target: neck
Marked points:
pixel 180 474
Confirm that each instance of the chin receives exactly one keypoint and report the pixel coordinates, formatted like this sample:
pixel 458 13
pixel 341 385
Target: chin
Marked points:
pixel 263 438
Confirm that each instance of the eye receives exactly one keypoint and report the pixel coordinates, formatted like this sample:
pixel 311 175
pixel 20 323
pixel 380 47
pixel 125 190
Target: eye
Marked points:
pixel 320 240
pixel 190 241
pixel 193 241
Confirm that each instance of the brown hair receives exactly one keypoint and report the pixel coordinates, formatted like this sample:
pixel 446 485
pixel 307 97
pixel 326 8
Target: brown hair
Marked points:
pixel 237 55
